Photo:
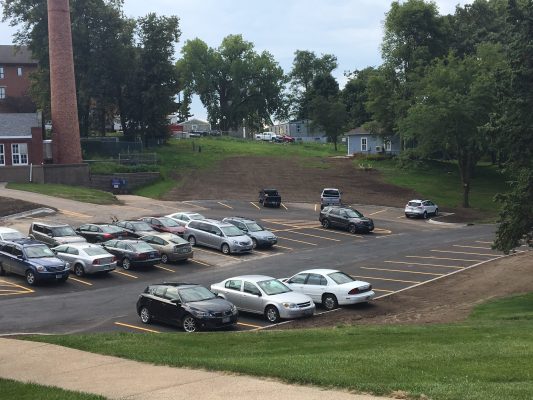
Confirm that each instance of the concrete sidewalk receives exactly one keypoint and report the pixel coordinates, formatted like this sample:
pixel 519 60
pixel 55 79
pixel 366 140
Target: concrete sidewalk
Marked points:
pixel 117 378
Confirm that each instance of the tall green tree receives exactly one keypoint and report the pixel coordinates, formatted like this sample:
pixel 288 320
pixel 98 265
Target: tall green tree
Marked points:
pixel 355 95
pixel 235 83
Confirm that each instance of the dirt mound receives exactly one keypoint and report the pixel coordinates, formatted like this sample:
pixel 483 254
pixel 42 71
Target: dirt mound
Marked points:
pixel 10 206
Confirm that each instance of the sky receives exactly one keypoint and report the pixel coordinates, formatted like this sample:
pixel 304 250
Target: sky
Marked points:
pixel 351 30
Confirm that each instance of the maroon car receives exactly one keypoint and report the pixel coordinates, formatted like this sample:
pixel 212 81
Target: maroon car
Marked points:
pixel 164 224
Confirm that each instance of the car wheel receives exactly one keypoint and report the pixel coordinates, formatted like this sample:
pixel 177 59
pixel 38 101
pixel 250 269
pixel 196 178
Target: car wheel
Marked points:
pixel 254 243
pixel 164 258
pixel 189 324
pixel 145 315
pixel 425 215
pixel 329 302
pixel 2 270
pixel 126 263
pixel 192 240
pixel 352 228
pixel 436 212
pixel 272 314
pixel 225 249
pixel 78 270
pixel 325 223
pixel 30 278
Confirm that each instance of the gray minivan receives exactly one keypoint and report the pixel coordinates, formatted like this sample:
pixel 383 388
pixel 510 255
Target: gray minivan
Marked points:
pixel 218 235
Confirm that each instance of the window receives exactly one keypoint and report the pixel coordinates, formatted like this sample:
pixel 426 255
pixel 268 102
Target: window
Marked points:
pixel 299 279
pixel 2 93
pixel 2 155
pixel 316 279
pixel 251 288
pixel 388 145
pixel 1 72
pixel 363 144
pixel 19 71
pixel 19 153
pixel 233 284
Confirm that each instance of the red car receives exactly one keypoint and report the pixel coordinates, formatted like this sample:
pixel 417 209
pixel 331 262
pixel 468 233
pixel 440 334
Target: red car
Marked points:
pixel 287 139
pixel 164 224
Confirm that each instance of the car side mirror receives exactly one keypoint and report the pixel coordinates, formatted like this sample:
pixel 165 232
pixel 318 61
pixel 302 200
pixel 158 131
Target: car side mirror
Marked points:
pixel 258 294
pixel 176 302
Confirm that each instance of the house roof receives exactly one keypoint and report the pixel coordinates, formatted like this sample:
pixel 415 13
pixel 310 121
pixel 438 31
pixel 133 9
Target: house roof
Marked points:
pixel 18 124
pixel 16 55
pixel 193 121
pixel 358 131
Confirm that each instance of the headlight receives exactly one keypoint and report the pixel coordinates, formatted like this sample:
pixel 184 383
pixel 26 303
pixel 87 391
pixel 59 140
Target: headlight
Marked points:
pixel 201 314
pixel 67 265
pixel 40 268
pixel 290 305
pixel 233 310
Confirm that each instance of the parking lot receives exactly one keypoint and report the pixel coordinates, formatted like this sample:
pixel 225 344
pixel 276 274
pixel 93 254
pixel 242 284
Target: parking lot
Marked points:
pixel 399 254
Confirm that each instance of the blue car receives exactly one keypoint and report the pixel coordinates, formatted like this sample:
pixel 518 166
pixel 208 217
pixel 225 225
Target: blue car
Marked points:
pixel 33 260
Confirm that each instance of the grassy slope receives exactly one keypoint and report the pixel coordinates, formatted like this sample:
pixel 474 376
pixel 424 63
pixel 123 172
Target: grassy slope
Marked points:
pixel 29 391
pixel 67 192
pixel 487 357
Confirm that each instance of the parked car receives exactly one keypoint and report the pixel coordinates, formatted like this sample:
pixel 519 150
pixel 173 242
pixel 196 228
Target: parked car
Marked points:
pixel 260 236
pixel 54 234
pixel 190 306
pixel 330 197
pixel 345 218
pixel 132 253
pixel 10 234
pixel 330 287
pixel 421 208
pixel 219 235
pixel 283 139
pixel 170 246
pixel 135 229
pixel 269 197
pixel 33 260
pixel 164 224
pixel 86 258
pixel 183 218
pixel 264 295
pixel 100 232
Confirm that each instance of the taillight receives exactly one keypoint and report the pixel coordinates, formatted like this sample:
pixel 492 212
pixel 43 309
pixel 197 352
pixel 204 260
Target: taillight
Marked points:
pixel 96 262
pixel 354 291
pixel 108 236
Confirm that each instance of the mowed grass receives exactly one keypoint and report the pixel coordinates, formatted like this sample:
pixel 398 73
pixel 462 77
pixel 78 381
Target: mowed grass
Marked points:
pixel 30 391
pixel 77 193
pixel 440 182
pixel 487 357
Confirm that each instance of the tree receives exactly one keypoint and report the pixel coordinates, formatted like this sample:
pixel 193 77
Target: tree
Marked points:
pixel 234 82
pixel 355 96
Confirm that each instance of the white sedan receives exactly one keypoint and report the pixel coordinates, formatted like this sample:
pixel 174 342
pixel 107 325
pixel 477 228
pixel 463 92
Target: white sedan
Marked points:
pixel 330 287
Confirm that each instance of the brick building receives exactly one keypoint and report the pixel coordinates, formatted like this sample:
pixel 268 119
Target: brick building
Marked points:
pixel 21 140
pixel 16 65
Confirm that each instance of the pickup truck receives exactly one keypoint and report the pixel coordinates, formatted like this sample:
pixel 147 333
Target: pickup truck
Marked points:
pixel 267 136
pixel 330 197
pixel 269 197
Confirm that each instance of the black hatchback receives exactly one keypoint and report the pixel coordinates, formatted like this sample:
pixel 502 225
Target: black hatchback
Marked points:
pixel 190 306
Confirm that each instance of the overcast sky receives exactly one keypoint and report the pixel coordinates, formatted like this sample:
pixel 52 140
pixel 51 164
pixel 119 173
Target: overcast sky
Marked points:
pixel 350 29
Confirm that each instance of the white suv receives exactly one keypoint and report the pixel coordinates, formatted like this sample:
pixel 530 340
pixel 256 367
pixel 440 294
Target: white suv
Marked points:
pixel 421 208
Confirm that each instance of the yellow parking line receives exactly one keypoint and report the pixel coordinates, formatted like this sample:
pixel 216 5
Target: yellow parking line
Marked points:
pixel 225 205
pixel 429 265
pixel 384 279
pixel 382 231
pixel 321 237
pixel 336 232
pixel 126 274
pixel 380 211
pixel 74 214
pixel 250 325
pixel 402 270
pixel 283 205
pixel 443 258
pixel 136 327
pixel 255 205
pixel 315 207
pixel 201 262
pixel 166 269
pixel 299 241
pixel 80 281
pixel 464 252
pixel 472 247
pixel 213 253
pixel 16 285
pixel 283 247
pixel 260 252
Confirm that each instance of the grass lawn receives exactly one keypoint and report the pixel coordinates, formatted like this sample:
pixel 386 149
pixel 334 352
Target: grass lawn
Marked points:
pixel 487 357
pixel 67 192
pixel 29 391
pixel 440 182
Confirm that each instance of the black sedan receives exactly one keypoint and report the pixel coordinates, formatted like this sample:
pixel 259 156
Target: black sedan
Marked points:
pixel 100 232
pixel 132 253
pixel 135 229
pixel 190 306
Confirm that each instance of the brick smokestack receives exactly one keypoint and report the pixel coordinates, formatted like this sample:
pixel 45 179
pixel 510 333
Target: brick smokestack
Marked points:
pixel 66 130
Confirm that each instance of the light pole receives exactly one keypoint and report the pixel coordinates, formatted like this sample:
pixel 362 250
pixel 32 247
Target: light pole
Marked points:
pixel 243 128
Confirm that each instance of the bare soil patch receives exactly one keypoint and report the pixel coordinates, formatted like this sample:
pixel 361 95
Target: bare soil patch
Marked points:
pixel 9 206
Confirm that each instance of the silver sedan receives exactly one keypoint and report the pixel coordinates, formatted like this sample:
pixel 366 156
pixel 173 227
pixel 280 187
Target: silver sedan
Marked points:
pixel 265 295
pixel 86 258
pixel 171 247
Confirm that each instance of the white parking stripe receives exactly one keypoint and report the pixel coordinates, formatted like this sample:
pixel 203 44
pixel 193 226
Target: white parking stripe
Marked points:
pixel 402 270
pixel 464 252
pixel 443 258
pixel 472 247
pixel 429 265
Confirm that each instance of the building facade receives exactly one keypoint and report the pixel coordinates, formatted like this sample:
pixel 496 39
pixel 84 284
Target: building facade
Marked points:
pixel 300 130
pixel 16 65
pixel 360 141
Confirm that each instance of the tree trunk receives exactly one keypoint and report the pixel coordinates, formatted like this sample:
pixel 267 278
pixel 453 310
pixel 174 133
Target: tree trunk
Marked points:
pixel 466 193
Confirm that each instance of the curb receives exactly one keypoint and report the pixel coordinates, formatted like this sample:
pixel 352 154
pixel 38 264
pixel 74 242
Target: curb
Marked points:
pixel 456 224
pixel 36 212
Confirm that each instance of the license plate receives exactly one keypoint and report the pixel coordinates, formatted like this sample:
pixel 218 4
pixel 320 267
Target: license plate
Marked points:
pixel 59 276
pixel 225 320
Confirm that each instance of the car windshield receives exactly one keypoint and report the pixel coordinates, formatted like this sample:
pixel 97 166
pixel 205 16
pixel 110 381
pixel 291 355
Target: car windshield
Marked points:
pixel 273 286
pixel 141 247
pixel 254 227
pixel 38 251
pixel 196 216
pixel 330 193
pixel 414 204
pixel 141 226
pixel 197 293
pixel 168 222
pixel 271 192
pixel 63 231
pixel 353 213
pixel 231 231
pixel 110 229
pixel 95 251
pixel 340 277
pixel 12 235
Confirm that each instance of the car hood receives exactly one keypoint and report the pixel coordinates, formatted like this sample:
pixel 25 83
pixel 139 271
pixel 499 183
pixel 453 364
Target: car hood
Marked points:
pixel 290 297
pixel 363 219
pixel 175 229
pixel 69 239
pixel 47 261
pixel 213 305
pixel 262 234
pixel 241 238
